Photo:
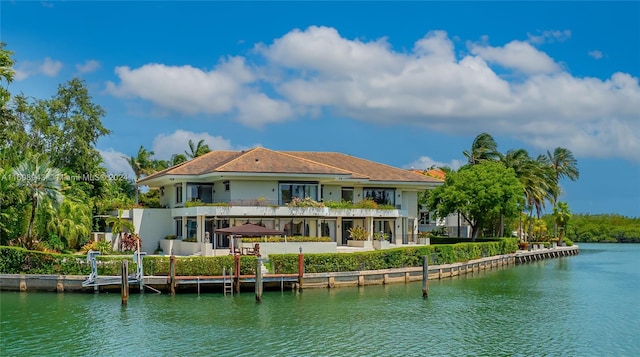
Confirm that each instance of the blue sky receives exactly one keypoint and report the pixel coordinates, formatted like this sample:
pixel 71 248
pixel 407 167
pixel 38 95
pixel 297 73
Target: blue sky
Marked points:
pixel 409 84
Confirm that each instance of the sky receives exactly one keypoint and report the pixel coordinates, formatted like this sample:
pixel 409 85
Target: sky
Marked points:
pixel 408 84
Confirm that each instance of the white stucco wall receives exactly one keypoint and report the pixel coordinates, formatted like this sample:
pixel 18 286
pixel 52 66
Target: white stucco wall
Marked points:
pixel 152 225
pixel 251 190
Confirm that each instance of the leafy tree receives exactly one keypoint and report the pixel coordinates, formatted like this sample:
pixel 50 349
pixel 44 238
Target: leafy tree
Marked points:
pixel 6 74
pixel 197 150
pixel 478 192
pixel 11 206
pixel 42 184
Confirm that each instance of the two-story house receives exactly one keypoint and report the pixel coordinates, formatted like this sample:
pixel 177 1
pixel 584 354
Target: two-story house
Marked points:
pixel 230 188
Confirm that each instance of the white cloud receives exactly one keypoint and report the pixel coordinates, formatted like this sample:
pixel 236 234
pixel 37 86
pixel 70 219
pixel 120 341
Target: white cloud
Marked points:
pixel 549 36
pixel 517 55
pixel 88 66
pixel 116 163
pixel 316 70
pixel 164 146
pixel 425 162
pixel 596 54
pixel 47 67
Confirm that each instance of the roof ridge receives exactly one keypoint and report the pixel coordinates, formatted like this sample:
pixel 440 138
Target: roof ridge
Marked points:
pixel 290 154
pixel 241 154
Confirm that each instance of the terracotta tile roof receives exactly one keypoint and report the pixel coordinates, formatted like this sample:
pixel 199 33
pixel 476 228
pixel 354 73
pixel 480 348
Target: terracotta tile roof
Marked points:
pixel 362 168
pixel 262 160
pixel 435 173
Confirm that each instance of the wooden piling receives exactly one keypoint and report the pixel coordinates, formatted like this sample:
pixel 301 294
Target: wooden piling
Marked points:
pixel 172 274
pixel 124 285
pixel 300 269
pixel 258 279
pixel 236 271
pixel 425 276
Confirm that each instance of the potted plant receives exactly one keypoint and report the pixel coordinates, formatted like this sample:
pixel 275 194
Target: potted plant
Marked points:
pixel 381 241
pixel 358 237
pixel 423 238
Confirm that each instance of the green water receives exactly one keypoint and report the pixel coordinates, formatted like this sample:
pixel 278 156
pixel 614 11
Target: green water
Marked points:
pixel 586 305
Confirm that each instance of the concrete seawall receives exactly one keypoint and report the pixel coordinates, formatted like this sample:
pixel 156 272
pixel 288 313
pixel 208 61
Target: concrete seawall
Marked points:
pixel 73 283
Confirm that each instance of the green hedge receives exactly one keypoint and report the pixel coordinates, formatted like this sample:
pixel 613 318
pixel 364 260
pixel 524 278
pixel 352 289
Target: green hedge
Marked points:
pixel 454 240
pixel 15 260
pixel 392 258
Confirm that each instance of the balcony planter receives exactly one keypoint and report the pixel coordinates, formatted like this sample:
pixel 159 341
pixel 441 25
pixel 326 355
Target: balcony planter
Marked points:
pixel 360 243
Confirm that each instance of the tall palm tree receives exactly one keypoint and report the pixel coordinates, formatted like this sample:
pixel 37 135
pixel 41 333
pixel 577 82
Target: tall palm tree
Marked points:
pixel 197 149
pixel 484 148
pixel 563 164
pixel 142 164
pixel 42 183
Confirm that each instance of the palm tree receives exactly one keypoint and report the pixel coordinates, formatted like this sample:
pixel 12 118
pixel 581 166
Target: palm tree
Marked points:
pixel 563 164
pixel 197 150
pixel 42 184
pixel 177 159
pixel 561 213
pixel 120 225
pixel 71 222
pixel 142 164
pixel 484 147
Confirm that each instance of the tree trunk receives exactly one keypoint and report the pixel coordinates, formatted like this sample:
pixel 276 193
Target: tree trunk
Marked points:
pixel 474 233
pixel 34 205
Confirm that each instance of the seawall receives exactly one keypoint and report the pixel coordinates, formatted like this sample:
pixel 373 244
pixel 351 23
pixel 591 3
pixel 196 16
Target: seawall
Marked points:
pixel 73 283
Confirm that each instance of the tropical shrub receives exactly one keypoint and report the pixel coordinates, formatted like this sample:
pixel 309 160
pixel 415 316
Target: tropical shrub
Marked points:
pixel 358 233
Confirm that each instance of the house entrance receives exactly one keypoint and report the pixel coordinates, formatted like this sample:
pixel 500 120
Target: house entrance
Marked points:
pixel 346 226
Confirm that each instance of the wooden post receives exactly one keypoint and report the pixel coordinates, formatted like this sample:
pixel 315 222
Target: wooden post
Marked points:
pixel 172 274
pixel 258 279
pixel 124 286
pixel 236 268
pixel 425 276
pixel 300 269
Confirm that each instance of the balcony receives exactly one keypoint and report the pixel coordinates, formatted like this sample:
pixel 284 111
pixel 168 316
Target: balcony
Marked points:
pixel 267 208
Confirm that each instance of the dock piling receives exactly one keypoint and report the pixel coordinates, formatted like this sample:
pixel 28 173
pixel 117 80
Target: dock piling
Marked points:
pixel 172 274
pixel 300 269
pixel 258 284
pixel 124 285
pixel 425 276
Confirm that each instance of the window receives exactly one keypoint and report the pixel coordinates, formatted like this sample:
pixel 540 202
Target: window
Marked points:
pixel 226 185
pixel 296 228
pixel 300 190
pixel 382 196
pixel 347 194
pixel 178 227
pixel 178 193
pixel 200 192
pixel 192 228
pixel 424 218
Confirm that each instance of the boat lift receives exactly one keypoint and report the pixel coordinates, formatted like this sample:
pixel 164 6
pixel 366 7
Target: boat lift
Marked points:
pixel 96 281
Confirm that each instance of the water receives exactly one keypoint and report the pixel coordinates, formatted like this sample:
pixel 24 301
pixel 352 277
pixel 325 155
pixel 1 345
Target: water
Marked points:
pixel 586 305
